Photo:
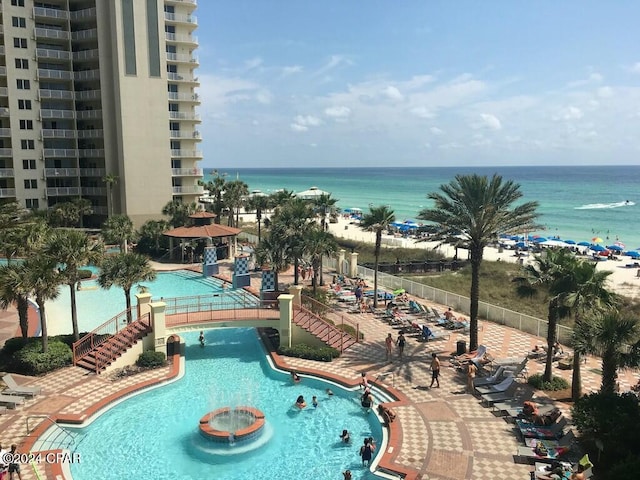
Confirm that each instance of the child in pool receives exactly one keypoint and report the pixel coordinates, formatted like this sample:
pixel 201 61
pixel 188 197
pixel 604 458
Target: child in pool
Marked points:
pixel 314 401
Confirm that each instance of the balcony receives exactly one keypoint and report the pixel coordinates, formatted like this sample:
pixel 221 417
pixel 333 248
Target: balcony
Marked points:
pixel 94 191
pixel 58 133
pixel 4 92
pixel 99 210
pixel 4 111
pixel 54 74
pixel 7 192
pixel 63 191
pixel 51 33
pixel 89 34
pixel 177 77
pixel 87 75
pixel 93 172
pixel 89 114
pixel 57 94
pixel 194 117
pixel 178 18
pixel 50 13
pixel 47 53
pixel 86 14
pixel 3 70
pixel 182 2
pixel 6 152
pixel 61 172
pixel 91 153
pixel 61 152
pixel 1 49
pixel 89 95
pixel 175 38
pixel 186 154
pixel 184 134
pixel 184 97
pixel 98 133
pixel 188 189
pixel 182 58
pixel 186 172
pixel 57 114
pixel 86 55
pixel 6 172
pixel 5 132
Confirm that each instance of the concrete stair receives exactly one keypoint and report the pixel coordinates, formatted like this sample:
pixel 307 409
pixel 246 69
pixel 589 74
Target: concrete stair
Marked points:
pixel 328 333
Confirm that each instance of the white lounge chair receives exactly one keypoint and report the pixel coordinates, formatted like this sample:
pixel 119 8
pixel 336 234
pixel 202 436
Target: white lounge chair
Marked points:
pixel 490 380
pixel 11 400
pixel 503 386
pixel 14 389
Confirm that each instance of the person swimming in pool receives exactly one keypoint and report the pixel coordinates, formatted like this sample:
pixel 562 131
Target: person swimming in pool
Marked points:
pixel 201 339
pixel 300 403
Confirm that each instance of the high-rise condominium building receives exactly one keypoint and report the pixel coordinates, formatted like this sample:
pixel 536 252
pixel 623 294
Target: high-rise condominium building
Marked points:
pixel 98 100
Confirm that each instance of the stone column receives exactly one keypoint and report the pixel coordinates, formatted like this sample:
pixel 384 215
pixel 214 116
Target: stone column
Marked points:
pixel 210 265
pixel 340 264
pixel 158 326
pixel 353 264
pixel 241 276
pixel 144 299
pixel 286 317
pixel 296 291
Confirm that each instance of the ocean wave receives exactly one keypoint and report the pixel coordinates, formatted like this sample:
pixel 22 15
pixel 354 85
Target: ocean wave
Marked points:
pixel 594 206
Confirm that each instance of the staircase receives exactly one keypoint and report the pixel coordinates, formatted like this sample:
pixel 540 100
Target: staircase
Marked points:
pixel 105 349
pixel 328 333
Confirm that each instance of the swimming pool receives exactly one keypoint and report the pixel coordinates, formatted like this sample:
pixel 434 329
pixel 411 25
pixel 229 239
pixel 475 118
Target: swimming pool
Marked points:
pixel 155 434
pixel 96 305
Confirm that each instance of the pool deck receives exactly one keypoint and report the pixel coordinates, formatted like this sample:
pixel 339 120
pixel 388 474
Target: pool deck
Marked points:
pixel 439 434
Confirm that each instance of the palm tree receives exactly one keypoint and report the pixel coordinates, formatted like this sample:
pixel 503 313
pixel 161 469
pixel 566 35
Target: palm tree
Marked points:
pixel 12 220
pixel 73 249
pixel 588 296
pixel 152 233
pixel 609 336
pixel 325 206
pixel 118 229
pixel 14 290
pixel 318 243
pixel 377 220
pixel 41 277
pixel 257 203
pixel 550 271
pixel 179 212
pixel 272 250
pixel 125 270
pixel 110 181
pixel 216 189
pixel 478 209
pixel 293 221
pixel 234 195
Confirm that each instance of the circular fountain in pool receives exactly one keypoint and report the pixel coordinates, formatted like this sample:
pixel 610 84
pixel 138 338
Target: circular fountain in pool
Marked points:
pixel 230 425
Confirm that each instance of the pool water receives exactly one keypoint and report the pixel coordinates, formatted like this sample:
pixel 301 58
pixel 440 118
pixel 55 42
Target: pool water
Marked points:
pixel 155 434
pixel 96 305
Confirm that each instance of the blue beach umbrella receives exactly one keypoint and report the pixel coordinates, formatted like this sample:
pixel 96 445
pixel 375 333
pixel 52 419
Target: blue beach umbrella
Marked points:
pixel 520 245
pixel 539 240
pixel 633 254
pixel 615 248
pixel 597 248
pixel 584 244
pixel 570 242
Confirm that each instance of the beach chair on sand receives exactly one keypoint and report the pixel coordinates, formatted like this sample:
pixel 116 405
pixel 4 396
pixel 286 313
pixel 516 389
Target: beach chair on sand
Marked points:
pixel 14 389
pixel 11 401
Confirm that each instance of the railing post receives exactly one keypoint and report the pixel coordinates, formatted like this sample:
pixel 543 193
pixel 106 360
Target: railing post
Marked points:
pixel 286 317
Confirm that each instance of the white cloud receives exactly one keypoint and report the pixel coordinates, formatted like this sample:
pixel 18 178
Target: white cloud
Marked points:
pixel 334 62
pixel 252 63
pixel 308 120
pixel 264 96
pixel 569 113
pixel 293 69
pixel 422 112
pixel 298 128
pixel 338 112
pixel 605 92
pixel 392 93
pixel 436 131
pixel 635 68
pixel 490 121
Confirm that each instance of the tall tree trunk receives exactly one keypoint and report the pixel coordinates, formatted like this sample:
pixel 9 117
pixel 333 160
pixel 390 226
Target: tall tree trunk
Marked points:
pixel 576 377
pixel 259 219
pixel 474 296
pixel 552 318
pixel 609 373
pixel 74 312
pixel 43 326
pixel 295 270
pixel 22 305
pixel 127 294
pixel 375 268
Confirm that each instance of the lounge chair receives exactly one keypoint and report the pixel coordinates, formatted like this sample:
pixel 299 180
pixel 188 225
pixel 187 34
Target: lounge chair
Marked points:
pixel 428 335
pixel 519 370
pixel 11 400
pixel 469 357
pixel 566 439
pixel 540 452
pixel 503 386
pixel 14 389
pixel 491 398
pixel 490 380
pixel 551 432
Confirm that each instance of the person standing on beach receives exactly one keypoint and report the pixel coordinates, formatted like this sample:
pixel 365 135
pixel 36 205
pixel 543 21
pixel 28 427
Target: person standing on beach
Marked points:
pixel 401 342
pixel 435 370
pixel 389 345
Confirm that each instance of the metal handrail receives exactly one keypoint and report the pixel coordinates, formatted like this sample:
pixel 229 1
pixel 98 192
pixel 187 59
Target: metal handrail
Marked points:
pixel 100 334
pixel 53 422
pixel 333 313
pixel 100 363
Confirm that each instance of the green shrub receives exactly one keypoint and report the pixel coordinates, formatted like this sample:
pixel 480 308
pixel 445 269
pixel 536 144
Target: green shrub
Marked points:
pixel 30 360
pixel 322 354
pixel 12 345
pixel 84 274
pixel 556 383
pixel 151 359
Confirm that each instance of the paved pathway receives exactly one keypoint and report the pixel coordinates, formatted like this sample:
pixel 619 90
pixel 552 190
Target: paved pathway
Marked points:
pixel 446 434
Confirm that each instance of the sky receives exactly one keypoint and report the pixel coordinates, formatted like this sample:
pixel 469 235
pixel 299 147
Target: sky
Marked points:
pixel 327 83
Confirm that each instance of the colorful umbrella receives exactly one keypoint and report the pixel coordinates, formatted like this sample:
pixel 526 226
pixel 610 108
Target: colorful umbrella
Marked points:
pixel 399 291
pixel 597 240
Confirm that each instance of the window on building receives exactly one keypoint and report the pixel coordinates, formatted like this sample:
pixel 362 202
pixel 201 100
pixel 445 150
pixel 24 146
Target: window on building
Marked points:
pixel 19 22
pixel 30 184
pixel 28 164
pixel 19 42
pixel 22 63
pixel 26 124
pixel 17 3
pixel 32 203
pixel 173 107
pixel 24 104
pixel 27 144
pixel 175 126
pixel 23 84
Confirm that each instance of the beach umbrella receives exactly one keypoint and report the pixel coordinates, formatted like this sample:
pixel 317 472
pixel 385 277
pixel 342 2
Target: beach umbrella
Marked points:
pixel 584 244
pixel 597 240
pixel 615 248
pixel 570 242
pixel 311 194
pixel 399 291
pixel 540 240
pixel 520 245
pixel 553 243
pixel 598 248
pixel 633 254
pixel 619 244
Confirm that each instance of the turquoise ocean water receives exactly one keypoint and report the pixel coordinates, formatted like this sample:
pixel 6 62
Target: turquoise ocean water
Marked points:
pixel 577 203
